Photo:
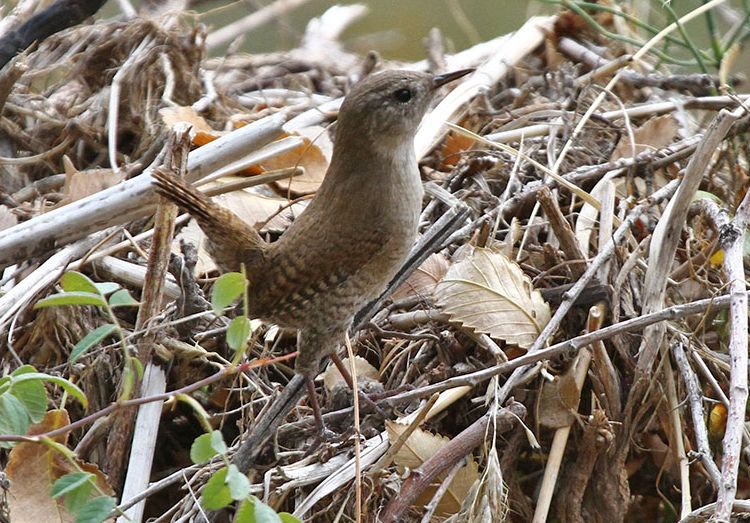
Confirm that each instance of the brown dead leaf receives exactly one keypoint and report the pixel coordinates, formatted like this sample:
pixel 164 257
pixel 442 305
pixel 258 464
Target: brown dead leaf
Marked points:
pixel 34 467
pixel 489 293
pixel 7 218
pixel 200 133
pixel 332 377
pixel 419 447
pixel 558 401
pixel 422 282
pixel 656 133
pixel 453 145
pixel 314 155
pixel 79 184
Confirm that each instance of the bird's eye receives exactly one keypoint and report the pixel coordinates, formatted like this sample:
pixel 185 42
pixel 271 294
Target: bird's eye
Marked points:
pixel 402 95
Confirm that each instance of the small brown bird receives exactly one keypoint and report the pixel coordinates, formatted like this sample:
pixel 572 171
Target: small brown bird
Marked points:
pixel 353 237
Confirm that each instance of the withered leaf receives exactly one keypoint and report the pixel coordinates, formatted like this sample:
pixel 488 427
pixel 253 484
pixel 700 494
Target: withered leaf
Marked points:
pixel 422 282
pixel 34 467
pixel 365 370
pixel 314 155
pixel 558 401
pixel 418 448
pixel 489 293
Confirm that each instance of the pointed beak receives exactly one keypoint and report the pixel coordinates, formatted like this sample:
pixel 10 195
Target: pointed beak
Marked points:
pixel 443 79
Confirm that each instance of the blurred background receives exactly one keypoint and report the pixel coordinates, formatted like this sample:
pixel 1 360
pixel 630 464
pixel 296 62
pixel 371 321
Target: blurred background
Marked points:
pixel 394 28
pixel 397 29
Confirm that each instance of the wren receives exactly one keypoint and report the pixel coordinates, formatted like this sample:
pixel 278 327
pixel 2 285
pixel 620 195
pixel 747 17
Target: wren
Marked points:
pixel 355 234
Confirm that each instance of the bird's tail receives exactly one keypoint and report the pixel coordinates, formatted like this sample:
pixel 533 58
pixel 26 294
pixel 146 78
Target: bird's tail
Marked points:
pixel 231 241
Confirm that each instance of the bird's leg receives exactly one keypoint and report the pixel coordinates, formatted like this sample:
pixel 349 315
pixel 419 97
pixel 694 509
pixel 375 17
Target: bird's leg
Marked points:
pixel 323 431
pixel 348 379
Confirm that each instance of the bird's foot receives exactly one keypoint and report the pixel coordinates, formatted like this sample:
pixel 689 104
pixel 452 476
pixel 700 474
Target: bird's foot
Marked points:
pixel 323 432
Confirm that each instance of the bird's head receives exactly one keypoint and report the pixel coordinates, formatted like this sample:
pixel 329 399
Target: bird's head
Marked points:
pixel 391 104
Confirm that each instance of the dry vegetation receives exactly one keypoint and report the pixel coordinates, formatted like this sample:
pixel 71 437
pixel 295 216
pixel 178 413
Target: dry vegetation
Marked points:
pixel 570 337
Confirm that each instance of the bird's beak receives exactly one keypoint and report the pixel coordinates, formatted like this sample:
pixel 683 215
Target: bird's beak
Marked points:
pixel 443 79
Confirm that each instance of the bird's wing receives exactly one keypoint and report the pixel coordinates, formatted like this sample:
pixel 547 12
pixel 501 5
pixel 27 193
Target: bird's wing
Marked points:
pixel 297 275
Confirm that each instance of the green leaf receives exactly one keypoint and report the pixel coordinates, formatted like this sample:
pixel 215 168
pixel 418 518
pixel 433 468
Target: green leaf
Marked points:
pixel 90 340
pixel 238 333
pixel 67 386
pixel 704 195
pixel 216 493
pixel 23 369
pixel 14 419
pixel 96 510
pixel 5 382
pixel 246 512
pixel 74 281
pixel 122 298
pixel 107 287
pixel 201 450
pixel 70 482
pixel 31 394
pixel 218 443
pixel 77 499
pixel 127 381
pixel 227 288
pixel 239 485
pixel 71 298
pixel 253 510
pixel 76 487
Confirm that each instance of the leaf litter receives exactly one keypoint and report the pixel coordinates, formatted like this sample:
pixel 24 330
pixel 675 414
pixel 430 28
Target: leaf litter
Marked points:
pixel 481 299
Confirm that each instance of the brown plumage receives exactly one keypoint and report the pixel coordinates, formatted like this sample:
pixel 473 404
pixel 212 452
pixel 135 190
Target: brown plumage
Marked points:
pixel 344 248
pixel 355 234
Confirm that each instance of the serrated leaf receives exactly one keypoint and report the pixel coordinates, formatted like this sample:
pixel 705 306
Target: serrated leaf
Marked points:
pixel 71 298
pixel 239 485
pixel 122 298
pixel 32 469
pixel 31 394
pixel 238 333
pixel 74 281
pixel 490 294
pixel 91 340
pixel 216 493
pixel 286 517
pixel 227 288
pixel 96 510
pixel 201 450
pixel 68 386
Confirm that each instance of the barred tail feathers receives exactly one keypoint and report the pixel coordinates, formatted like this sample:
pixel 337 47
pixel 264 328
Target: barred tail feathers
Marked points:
pixel 184 195
pixel 240 242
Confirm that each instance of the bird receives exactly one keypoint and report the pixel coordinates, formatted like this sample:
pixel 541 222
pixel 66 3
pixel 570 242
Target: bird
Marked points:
pixel 344 248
